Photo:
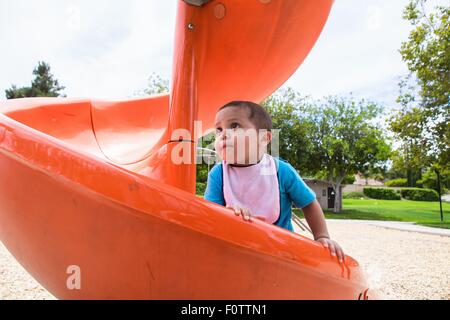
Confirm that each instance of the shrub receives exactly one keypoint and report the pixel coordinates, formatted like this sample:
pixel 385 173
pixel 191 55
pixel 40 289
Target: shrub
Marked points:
pixel 429 180
pixel 201 188
pixel 417 194
pixel 419 184
pixel 382 193
pixel 349 179
pixel 379 177
pixel 202 174
pixel 397 183
pixel 353 195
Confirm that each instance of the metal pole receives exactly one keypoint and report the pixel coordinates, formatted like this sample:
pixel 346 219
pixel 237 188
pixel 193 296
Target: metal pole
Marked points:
pixel 440 195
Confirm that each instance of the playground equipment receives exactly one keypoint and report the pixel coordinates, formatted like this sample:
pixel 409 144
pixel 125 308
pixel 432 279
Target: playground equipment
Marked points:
pixel 90 185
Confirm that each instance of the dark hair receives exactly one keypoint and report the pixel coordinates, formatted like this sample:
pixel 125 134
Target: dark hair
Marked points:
pixel 258 115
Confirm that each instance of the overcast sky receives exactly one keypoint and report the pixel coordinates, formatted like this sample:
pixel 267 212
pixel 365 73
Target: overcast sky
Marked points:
pixel 109 48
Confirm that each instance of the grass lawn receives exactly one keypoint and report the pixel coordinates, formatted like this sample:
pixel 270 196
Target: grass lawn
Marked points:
pixel 422 213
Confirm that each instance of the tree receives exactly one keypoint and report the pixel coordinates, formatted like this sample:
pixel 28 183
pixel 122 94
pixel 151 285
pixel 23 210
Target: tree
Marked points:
pixel 331 140
pixel 345 140
pixel 374 172
pixel 43 85
pixel 17 93
pixel 286 107
pixel 429 179
pixel 423 122
pixel 156 85
pixel 406 164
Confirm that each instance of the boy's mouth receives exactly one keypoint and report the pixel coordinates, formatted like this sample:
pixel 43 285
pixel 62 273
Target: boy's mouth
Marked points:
pixel 225 145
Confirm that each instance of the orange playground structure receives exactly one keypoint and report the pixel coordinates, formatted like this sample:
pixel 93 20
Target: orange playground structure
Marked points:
pixel 91 183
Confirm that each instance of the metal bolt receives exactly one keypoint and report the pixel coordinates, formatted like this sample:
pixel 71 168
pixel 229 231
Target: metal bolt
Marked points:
pixel 220 11
pixel 191 26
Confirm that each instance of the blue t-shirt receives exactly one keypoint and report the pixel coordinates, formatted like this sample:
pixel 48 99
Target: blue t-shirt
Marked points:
pixel 293 190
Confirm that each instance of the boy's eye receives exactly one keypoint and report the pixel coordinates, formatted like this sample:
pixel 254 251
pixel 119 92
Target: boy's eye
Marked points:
pixel 234 125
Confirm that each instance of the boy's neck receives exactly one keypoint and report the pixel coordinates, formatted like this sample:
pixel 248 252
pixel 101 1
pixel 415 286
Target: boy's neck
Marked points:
pixel 247 165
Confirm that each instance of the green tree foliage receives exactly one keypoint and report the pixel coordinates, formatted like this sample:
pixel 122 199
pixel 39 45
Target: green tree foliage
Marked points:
pixel 374 172
pixel 350 179
pixel 156 85
pixel 206 157
pixel 43 85
pixel 287 109
pixel 330 139
pixel 397 183
pixel 423 122
pixel 429 180
pixel 345 139
pixel 406 164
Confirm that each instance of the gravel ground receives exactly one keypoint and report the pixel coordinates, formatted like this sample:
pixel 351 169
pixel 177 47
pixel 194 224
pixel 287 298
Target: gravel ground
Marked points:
pixel 16 283
pixel 398 264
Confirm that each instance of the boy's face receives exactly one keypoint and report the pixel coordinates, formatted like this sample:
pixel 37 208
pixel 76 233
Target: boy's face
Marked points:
pixel 237 138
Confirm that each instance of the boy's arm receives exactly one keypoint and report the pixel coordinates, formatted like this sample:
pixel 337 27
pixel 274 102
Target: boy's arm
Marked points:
pixel 214 187
pixel 304 198
pixel 316 220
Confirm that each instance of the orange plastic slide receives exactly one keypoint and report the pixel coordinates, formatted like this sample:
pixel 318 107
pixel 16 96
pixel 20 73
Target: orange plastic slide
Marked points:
pixel 88 189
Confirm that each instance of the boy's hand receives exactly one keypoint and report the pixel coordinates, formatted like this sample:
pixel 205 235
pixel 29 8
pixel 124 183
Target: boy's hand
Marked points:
pixel 334 247
pixel 245 213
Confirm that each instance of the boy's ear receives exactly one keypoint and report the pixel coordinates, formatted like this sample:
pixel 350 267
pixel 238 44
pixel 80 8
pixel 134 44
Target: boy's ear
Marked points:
pixel 267 137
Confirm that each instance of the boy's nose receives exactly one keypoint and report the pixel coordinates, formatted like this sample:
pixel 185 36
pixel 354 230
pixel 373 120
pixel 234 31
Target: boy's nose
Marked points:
pixel 224 135
pixel 223 139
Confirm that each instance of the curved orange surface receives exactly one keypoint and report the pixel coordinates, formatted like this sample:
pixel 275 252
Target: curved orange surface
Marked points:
pixel 91 184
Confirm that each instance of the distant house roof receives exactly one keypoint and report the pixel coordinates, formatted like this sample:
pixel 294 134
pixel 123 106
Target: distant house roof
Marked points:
pixel 361 181
pixel 313 181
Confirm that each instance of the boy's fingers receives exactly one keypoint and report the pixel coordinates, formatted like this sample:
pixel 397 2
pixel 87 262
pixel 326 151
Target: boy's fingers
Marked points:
pixel 335 249
pixel 342 257
pixel 340 253
pixel 246 214
pixel 324 243
pixel 236 210
pixel 332 250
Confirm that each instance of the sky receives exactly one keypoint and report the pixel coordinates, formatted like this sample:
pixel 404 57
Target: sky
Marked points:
pixel 107 49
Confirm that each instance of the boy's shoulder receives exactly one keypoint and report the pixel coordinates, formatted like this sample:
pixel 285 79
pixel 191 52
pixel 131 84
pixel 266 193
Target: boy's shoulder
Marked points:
pixel 283 165
pixel 217 166
pixel 281 160
pixel 216 171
